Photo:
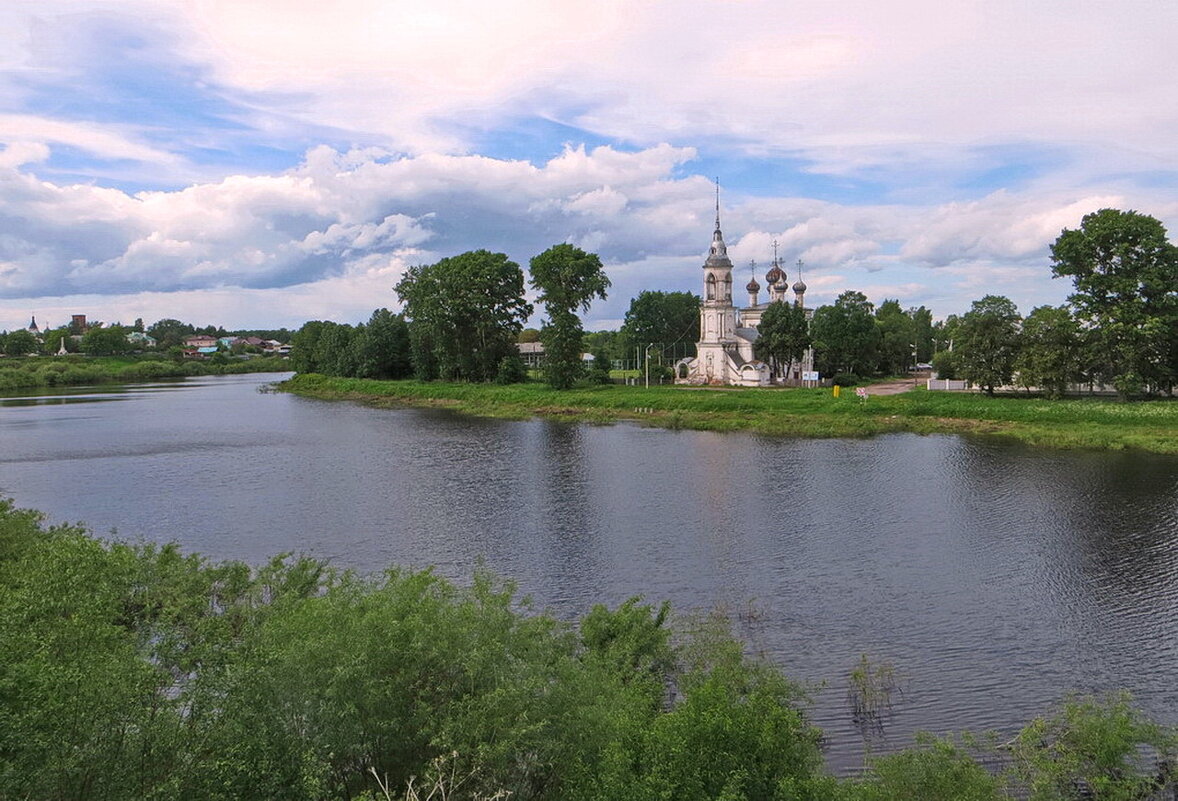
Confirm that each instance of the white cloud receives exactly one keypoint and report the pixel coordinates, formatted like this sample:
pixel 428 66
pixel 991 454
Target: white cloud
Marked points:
pixel 331 237
pixel 852 84
pixel 105 141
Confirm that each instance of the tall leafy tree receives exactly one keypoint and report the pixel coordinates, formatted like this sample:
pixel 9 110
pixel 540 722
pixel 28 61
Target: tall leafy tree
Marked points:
pixel 465 313
pixel 989 334
pixel 670 319
pixel 783 336
pixel 51 342
pixel 106 341
pixel 1125 272
pixel 382 348
pixel 897 335
pixel 1050 356
pixel 20 343
pixel 922 333
pixel 304 347
pixel 846 339
pixel 168 333
pixel 567 279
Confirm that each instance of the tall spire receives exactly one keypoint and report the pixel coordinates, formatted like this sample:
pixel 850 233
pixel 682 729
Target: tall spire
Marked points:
pixel 717 205
pixel 718 255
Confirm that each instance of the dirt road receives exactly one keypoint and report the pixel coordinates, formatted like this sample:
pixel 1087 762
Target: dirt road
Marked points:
pixel 897 386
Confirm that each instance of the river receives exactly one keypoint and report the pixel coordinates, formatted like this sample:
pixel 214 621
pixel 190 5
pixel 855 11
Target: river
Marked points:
pixel 993 576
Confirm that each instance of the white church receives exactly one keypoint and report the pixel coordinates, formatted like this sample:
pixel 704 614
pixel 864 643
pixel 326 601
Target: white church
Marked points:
pixel 724 353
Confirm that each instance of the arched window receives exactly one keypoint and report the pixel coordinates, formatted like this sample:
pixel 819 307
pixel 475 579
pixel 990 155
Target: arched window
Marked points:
pixel 728 287
pixel 711 287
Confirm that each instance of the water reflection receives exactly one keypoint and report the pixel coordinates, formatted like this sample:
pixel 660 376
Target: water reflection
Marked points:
pixel 993 576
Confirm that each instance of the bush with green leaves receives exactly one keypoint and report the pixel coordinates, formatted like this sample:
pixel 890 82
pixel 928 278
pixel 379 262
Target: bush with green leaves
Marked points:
pixel 1101 745
pixel 139 672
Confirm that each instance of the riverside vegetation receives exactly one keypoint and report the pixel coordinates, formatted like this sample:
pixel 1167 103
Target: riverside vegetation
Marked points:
pixel 59 371
pixel 135 671
pixel 1076 423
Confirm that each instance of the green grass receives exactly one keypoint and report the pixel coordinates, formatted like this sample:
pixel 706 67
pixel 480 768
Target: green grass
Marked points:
pixel 1080 423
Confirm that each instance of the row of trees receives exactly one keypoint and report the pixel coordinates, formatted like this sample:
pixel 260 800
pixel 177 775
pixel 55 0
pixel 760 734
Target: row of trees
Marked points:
pixel 379 349
pixel 465 314
pixel 134 671
pixel 462 318
pixel 108 340
pixel 1118 329
pixel 111 340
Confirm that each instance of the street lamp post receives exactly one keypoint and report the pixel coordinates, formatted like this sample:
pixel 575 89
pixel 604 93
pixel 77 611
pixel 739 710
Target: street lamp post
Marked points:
pixel 648 347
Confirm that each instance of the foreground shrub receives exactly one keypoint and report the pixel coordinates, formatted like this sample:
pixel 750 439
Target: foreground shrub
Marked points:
pixel 139 672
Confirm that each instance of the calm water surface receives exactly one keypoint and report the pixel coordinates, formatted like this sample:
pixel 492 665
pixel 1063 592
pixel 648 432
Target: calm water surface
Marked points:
pixel 993 576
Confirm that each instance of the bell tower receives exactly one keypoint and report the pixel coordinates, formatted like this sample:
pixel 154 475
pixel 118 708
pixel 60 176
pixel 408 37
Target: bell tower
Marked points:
pixel 717 324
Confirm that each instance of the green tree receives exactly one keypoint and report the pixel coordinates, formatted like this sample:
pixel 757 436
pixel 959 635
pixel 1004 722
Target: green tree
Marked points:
pixel 1097 745
pixel 947 364
pixel 465 313
pixel 783 336
pixel 567 279
pixel 897 336
pixel 106 341
pixel 336 351
pixel 304 347
pixel 669 319
pixel 933 770
pixel 168 332
pixel 846 339
pixel 1125 272
pixel 923 333
pixel 1051 351
pixel 602 362
pixel 51 341
pixel 21 342
pixel 989 342
pixel 382 349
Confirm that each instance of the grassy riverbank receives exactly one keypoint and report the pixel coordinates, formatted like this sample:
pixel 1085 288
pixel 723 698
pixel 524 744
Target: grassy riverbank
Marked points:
pixel 60 371
pixel 1079 423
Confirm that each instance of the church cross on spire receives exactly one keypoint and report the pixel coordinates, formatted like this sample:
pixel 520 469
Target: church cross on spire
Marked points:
pixel 717 203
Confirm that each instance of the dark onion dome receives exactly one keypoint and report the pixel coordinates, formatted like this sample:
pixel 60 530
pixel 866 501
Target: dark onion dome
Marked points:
pixel 800 286
pixel 774 275
pixel 752 286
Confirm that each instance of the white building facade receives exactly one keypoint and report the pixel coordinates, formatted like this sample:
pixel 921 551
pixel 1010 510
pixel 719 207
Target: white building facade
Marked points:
pixel 724 353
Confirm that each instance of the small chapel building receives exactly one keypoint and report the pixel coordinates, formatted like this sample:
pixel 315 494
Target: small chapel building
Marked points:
pixel 724 353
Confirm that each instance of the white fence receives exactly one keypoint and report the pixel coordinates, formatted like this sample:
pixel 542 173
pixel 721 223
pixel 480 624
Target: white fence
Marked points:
pixel 948 384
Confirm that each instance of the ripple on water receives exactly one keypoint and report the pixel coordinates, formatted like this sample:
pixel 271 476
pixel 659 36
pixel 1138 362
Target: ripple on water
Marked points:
pixel 993 576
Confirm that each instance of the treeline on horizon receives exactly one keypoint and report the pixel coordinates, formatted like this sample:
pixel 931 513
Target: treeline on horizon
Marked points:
pixel 103 354
pixel 464 315
pixel 135 671
pixel 101 339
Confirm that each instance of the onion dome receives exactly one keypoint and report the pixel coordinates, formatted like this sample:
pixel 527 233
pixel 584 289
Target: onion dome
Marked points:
pixel 752 286
pixel 774 275
pixel 800 286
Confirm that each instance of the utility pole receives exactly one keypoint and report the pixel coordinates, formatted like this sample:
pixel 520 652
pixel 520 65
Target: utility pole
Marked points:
pixel 648 347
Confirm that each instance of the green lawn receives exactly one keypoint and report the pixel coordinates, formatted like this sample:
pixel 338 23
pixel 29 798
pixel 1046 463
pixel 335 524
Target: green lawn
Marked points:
pixel 1079 423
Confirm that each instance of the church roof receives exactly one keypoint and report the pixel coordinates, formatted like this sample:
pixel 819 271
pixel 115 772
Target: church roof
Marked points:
pixel 718 253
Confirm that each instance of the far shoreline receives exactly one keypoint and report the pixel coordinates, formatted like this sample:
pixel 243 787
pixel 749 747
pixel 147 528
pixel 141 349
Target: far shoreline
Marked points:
pixel 1081 423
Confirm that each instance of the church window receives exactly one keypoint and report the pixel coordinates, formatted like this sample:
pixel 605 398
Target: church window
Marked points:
pixel 711 284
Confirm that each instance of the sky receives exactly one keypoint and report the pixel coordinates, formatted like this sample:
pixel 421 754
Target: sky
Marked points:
pixel 260 163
